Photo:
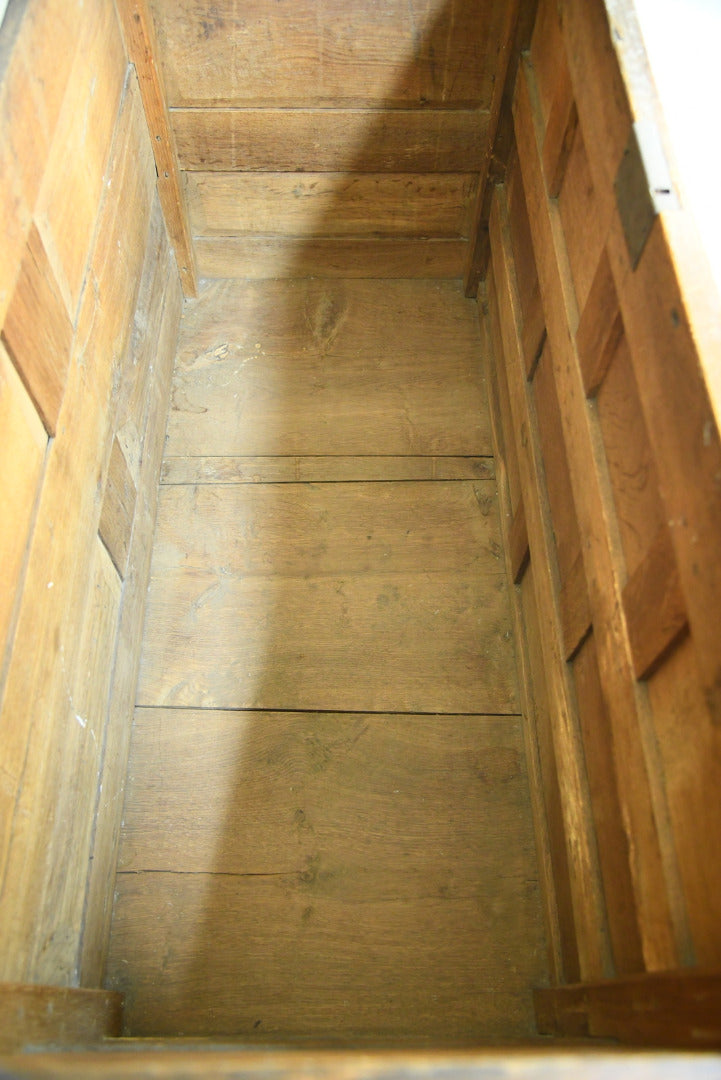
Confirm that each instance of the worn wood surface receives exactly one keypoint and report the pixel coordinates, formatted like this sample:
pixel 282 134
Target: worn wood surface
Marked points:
pixel 50 757
pixel 587 912
pixel 39 49
pixel 143 401
pixel 665 1009
pixel 264 257
pixel 39 347
pixel 307 581
pixel 330 204
pixel 139 34
pixel 21 465
pixel 328 55
pixel 323 367
pixel 263 597
pixel 639 785
pixel 118 509
pixel 67 207
pixel 56 1016
pixel 330 140
pixel 533 700
pixel 359 873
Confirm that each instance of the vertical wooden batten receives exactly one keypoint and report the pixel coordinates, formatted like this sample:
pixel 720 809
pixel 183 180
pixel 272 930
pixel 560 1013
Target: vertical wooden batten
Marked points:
pixel 520 18
pixel 136 21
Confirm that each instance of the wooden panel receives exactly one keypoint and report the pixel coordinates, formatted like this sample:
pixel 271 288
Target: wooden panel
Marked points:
pixel 67 206
pixel 690 750
pixel 39 46
pixel 560 128
pixel 584 222
pixel 22 455
pixel 285 470
pixel 518 540
pixel 139 33
pixel 67 837
pixel 116 516
pixel 514 41
pixel 260 258
pixel 573 606
pixel 330 204
pixel 531 703
pixel 329 367
pixel 38 788
pixel 573 597
pixel 152 406
pixel 600 328
pixel 654 605
pixel 614 845
pixel 639 786
pixel 631 464
pixel 496 347
pixel 134 395
pixel 36 1016
pixel 667 1009
pixel 672 330
pixel 328 54
pixel 552 796
pixel 384 868
pixel 400 584
pixel 39 347
pixel 534 325
pixel 330 140
pixel 587 907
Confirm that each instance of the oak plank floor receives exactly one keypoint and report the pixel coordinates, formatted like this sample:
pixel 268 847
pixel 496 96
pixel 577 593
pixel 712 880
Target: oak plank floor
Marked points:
pixel 327 830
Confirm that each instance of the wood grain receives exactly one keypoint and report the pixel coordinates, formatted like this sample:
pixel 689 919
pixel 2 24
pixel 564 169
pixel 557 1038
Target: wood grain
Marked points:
pixel 139 33
pixel 600 328
pixel 639 788
pixel 533 701
pixel 38 53
pixel 22 456
pixel 321 204
pixel 330 140
pixel 690 755
pixel 39 787
pixel 264 257
pixel 670 321
pixel 267 596
pixel 67 206
pixel 39 347
pixel 362 874
pixel 587 912
pixel 328 55
pixel 665 1009
pixel 329 367
pixel 573 595
pixel 118 510
pixel 151 400
pixel 37 1016
pixel 654 605
pixel 614 846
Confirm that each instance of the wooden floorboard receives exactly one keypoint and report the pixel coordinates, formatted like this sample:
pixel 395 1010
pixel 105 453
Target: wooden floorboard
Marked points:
pixel 368 872
pixel 327 831
pixel 384 597
pixel 329 367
